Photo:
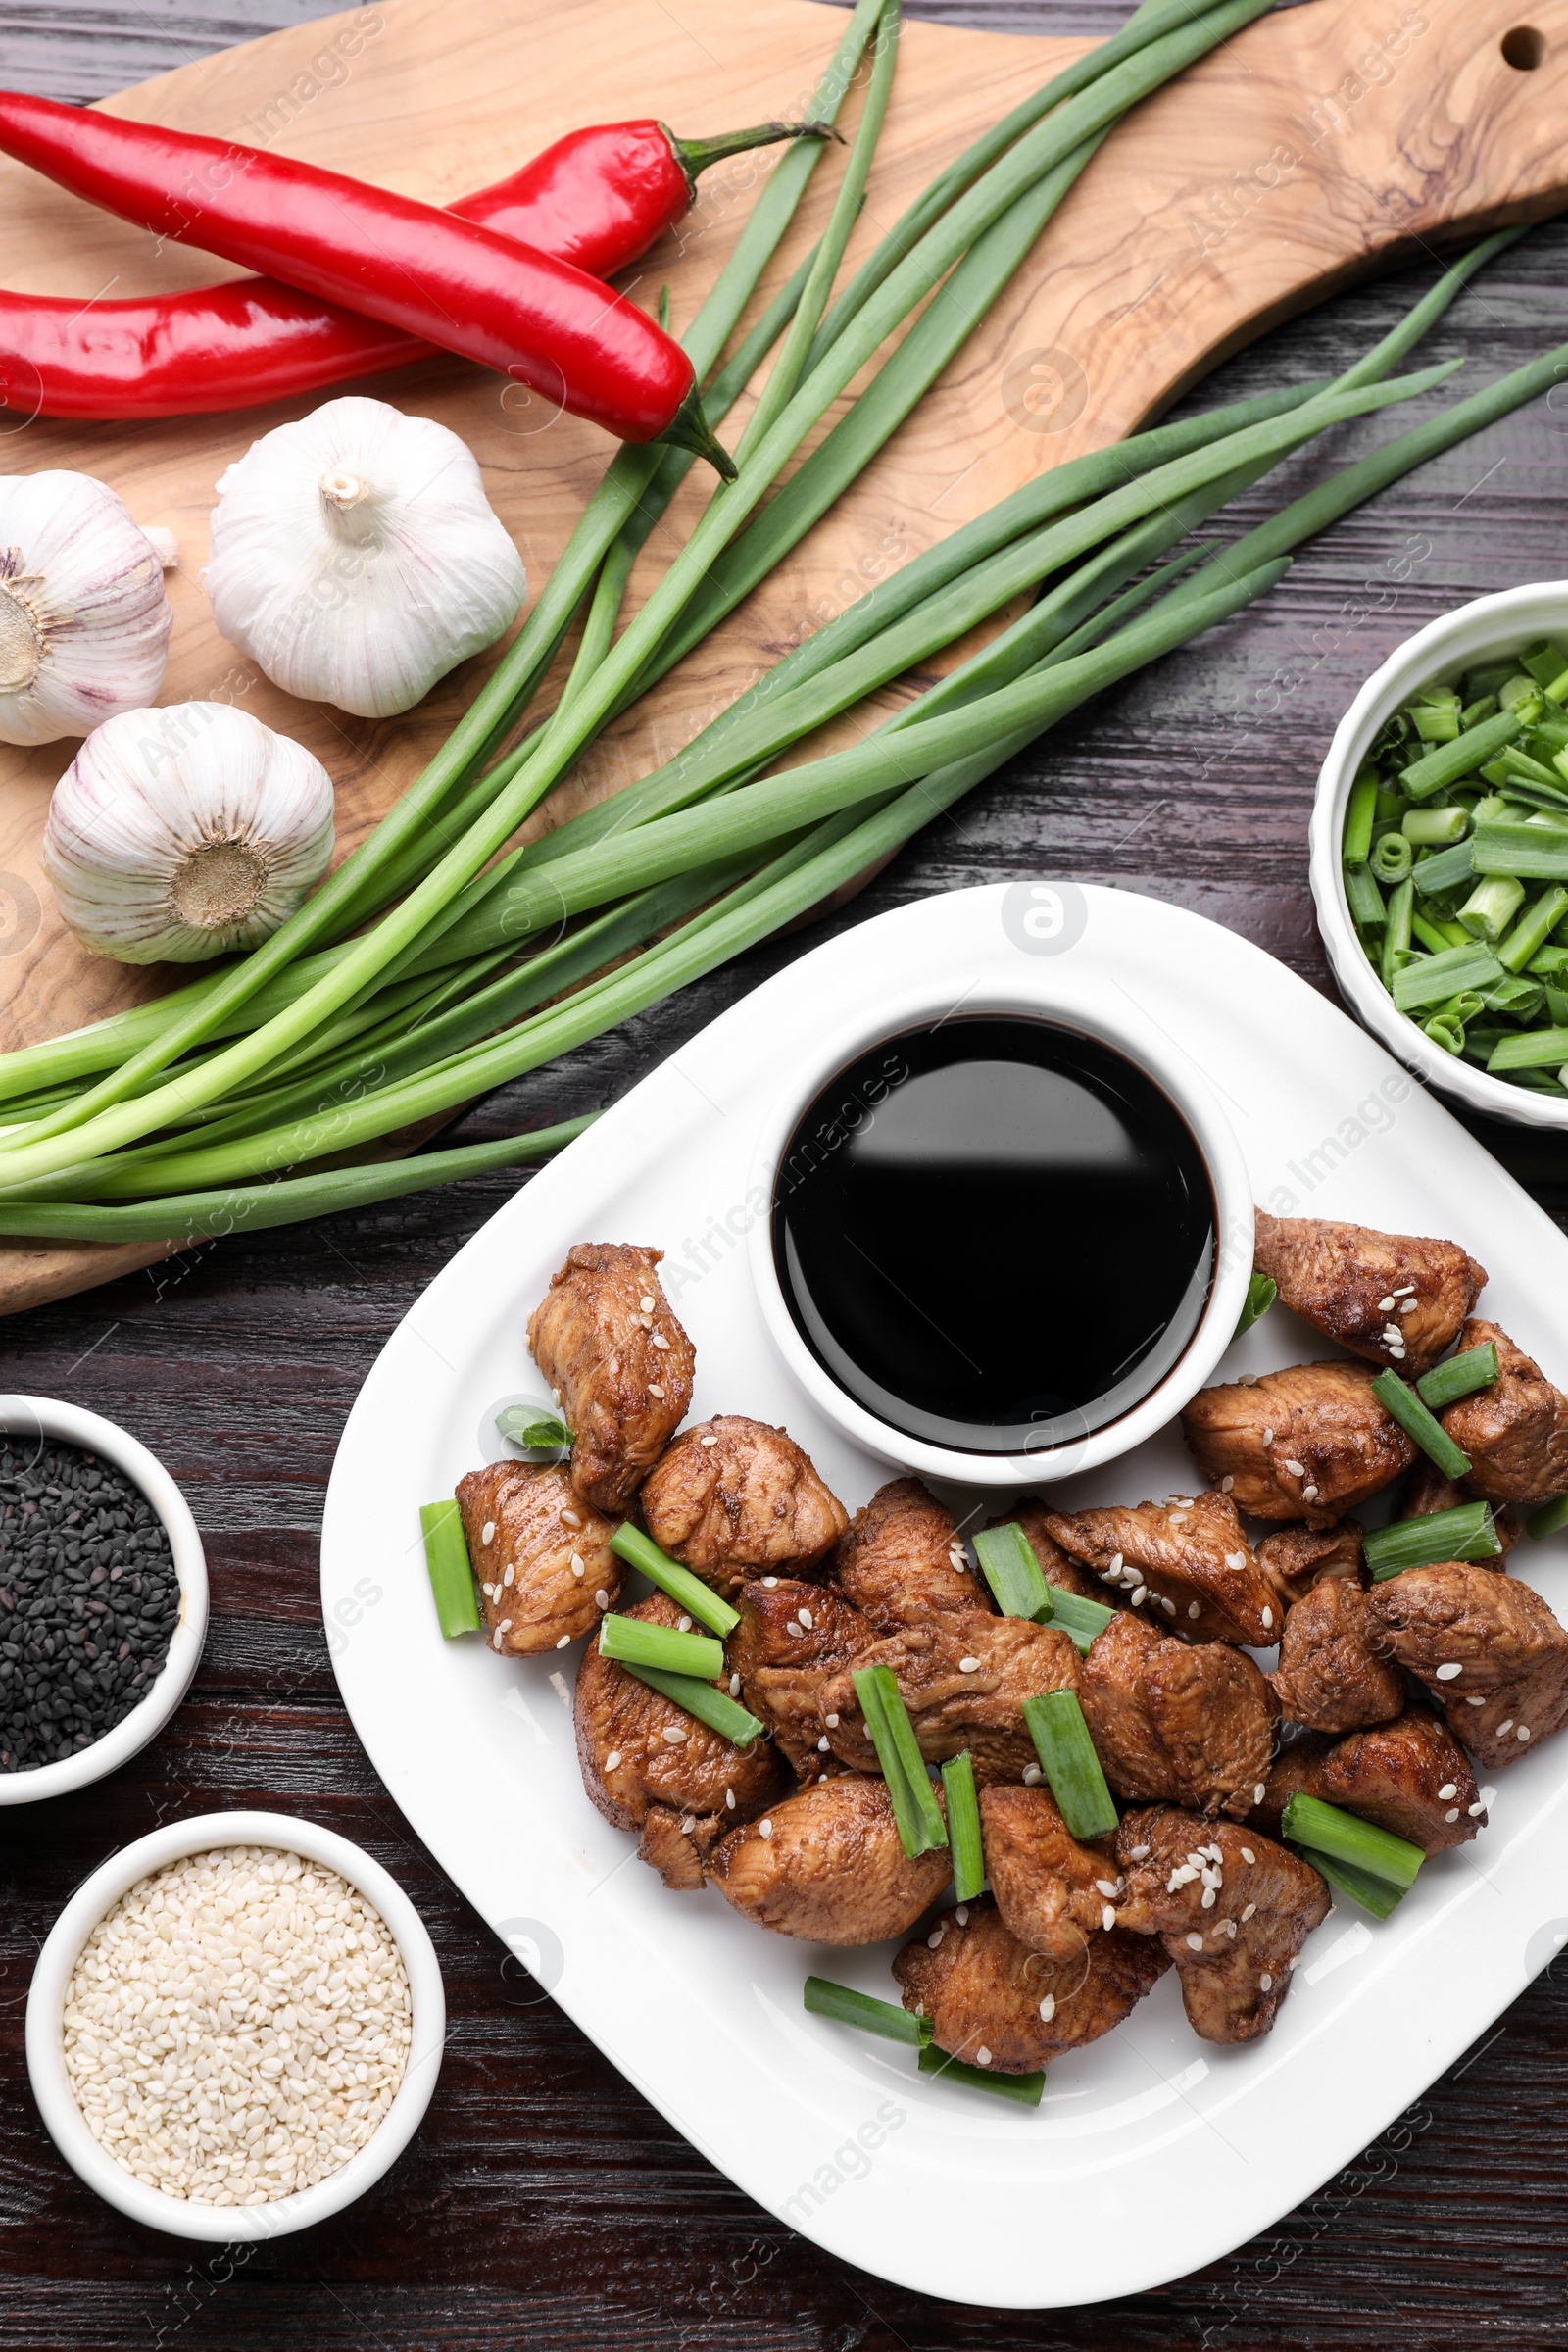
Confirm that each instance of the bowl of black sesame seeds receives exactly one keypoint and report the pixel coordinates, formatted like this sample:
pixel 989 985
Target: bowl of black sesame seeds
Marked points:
pixel 103 1598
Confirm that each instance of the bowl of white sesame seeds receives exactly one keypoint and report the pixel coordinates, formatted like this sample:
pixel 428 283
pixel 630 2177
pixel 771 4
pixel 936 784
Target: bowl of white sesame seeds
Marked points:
pixel 235 2025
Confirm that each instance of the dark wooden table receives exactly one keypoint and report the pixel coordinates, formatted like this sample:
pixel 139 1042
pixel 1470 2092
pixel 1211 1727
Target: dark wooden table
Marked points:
pixel 543 2203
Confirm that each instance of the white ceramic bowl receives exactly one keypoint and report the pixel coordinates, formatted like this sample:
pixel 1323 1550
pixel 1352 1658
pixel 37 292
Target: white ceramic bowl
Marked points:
pixel 1049 992
pixel 1490 626
pixel 46 2062
pixel 42 1417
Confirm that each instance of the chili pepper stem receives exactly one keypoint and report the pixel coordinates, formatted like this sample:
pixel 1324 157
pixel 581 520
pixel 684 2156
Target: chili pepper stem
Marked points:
pixel 690 429
pixel 695 156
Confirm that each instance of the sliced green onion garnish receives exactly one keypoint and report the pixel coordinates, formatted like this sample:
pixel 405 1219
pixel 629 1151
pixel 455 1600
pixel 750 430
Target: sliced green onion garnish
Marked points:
pixel 1449 869
pixel 1438 977
pixel 1261 1292
pixel 1397 1398
pixel 1515 848
pixel 1068 1760
pixel 898 1752
pixel 1530 1050
pixel 1082 1621
pixel 1376 1895
pixel 963 1827
pixel 824 1998
pixel 1330 1830
pixel 1489 910
pixel 1025 2089
pixel 719 1712
pixel 1435 828
pixel 1363 898
pixel 527 1425
pixel 1461 757
pixel 1547 1519
pixel 631 1641
pixel 1391 858
pixel 1460 1376
pixel 1359 817
pixel 446 1556
pixel 688 1591
pixel 1466 1533
pixel 1013 1571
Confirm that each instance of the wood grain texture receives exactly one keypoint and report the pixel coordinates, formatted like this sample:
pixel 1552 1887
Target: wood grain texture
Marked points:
pixel 1302 152
pixel 543 2204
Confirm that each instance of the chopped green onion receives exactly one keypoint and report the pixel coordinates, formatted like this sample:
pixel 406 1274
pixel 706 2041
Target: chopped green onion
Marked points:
pixel 528 1425
pixel 1390 860
pixel 1491 907
pixel 632 1642
pixel 1025 2089
pixel 1400 1399
pixel 1436 721
pixel 963 1827
pixel 1261 1292
pixel 1331 1830
pixel 689 1591
pixel 1396 935
pixel 1359 817
pixel 824 1998
pixel 1374 1894
pixel 1515 848
pixel 1450 869
pixel 446 1556
pixel 1547 1519
pixel 1363 898
pixel 898 1752
pixel 1460 1376
pixel 1438 977
pixel 1436 827
pixel 1444 1031
pixel 1068 1760
pixel 1518 999
pixel 1468 1532
pixel 1082 1621
pixel 1435 936
pixel 1461 757
pixel 1533 929
pixel 1532 1050
pixel 1013 1571
pixel 716 1708
pixel 1544 663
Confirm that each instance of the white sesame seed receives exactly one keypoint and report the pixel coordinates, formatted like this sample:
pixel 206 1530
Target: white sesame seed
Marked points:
pixel 822 1745
pixel 1258 1795
pixel 933 1941
pixel 570 1519
pixel 1267 1616
pixel 1247 1380
pixel 1236 1559
pixel 770 1581
pixel 653 1390
pixel 729 1799
pixel 577 1568
pixel 1309 1493
pixel 661 1342
pixel 1269 1437
pixel 1392 1334
pixel 556 1394
pixel 1105 1887
pixel 806 1618
pixel 1398 1353
pixel 647 1303
pixel 1139 1853
pixel 564 1643
pixel 1195 1942
pixel 487 1532
pixel 1475 1810
pixel 1108 1917
pixel 982 2056
pixel 688 1824
pixel 765 1828
pixel 509 1576
pixel 1449 1789
pixel 495 1640
pixel 734 1686
pixel 1047 2008
pixel 1523 1732
pixel 708 1440
pixel 832 1722
pixel 968 1665
pixel 1115 1563
pixel 1294 1962
pixel 962 1915
pixel 1192 1608
pixel 601 1600
pixel 796 1630
pixel 613 1760
pixel 1265 1983
pixel 1447 1672
pixel 1386 1306
pixel 1452 1814
pixel 683 1625
pixel 1226 1484
pixel 1476 1701
pixel 672 1735
pixel 1031 1776
pixel 1404 1291
pixel 1140 1596
pixel 1297 1469
pixel 1207 1902
pixel 1169 1606
pixel 1408 1308
pixel 1247 1913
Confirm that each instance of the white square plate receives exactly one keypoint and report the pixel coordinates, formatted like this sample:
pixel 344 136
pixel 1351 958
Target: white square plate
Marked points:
pixel 942 2190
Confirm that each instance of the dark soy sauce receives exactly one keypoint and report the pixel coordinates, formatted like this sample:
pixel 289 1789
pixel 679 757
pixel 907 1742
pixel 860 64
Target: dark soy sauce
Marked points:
pixel 996 1235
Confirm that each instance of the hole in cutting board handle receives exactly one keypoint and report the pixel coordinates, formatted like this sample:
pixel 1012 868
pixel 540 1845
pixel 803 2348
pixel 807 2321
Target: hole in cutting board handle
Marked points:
pixel 1524 48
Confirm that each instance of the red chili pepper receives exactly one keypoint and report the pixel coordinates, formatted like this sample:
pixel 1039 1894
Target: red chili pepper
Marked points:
pixel 450 282
pixel 598 198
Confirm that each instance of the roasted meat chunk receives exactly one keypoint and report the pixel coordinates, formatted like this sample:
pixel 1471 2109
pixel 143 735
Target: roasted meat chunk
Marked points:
pixel 639 1752
pixel 1308 1443
pixel 542 1557
pixel 1051 1892
pixel 828 1865
pixel 1292 1770
pixel 1334 1673
pixel 1516 1432
pixel 1232 1909
pixel 903 1562
pixel 605 1338
pixel 1487 1646
pixel 791 1639
pixel 1388 1297
pixel 674 1844
pixel 1409 1776
pixel 993 2001
pixel 963 1681
pixel 1189 1723
pixel 734 1498
pixel 1295 1559
pixel 1055 1566
pixel 1187 1557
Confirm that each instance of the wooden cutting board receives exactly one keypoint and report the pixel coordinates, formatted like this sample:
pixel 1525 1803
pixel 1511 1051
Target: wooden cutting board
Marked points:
pixel 1325 141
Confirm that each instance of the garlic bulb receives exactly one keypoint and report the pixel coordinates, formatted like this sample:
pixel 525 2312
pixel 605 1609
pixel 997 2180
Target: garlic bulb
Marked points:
pixel 178 834
pixel 83 619
pixel 356 557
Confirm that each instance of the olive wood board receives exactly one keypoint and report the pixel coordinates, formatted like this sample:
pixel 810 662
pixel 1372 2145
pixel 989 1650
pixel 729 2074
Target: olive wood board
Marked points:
pixel 1324 142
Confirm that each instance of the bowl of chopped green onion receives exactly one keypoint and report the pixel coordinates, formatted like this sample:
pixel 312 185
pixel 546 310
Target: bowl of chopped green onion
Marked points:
pixel 1440 854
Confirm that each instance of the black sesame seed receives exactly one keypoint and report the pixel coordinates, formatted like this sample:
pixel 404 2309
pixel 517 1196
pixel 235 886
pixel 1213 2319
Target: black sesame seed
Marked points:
pixel 72 1527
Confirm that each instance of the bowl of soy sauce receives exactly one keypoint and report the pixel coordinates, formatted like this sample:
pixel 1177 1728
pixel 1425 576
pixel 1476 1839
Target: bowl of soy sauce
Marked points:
pixel 1004 1245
